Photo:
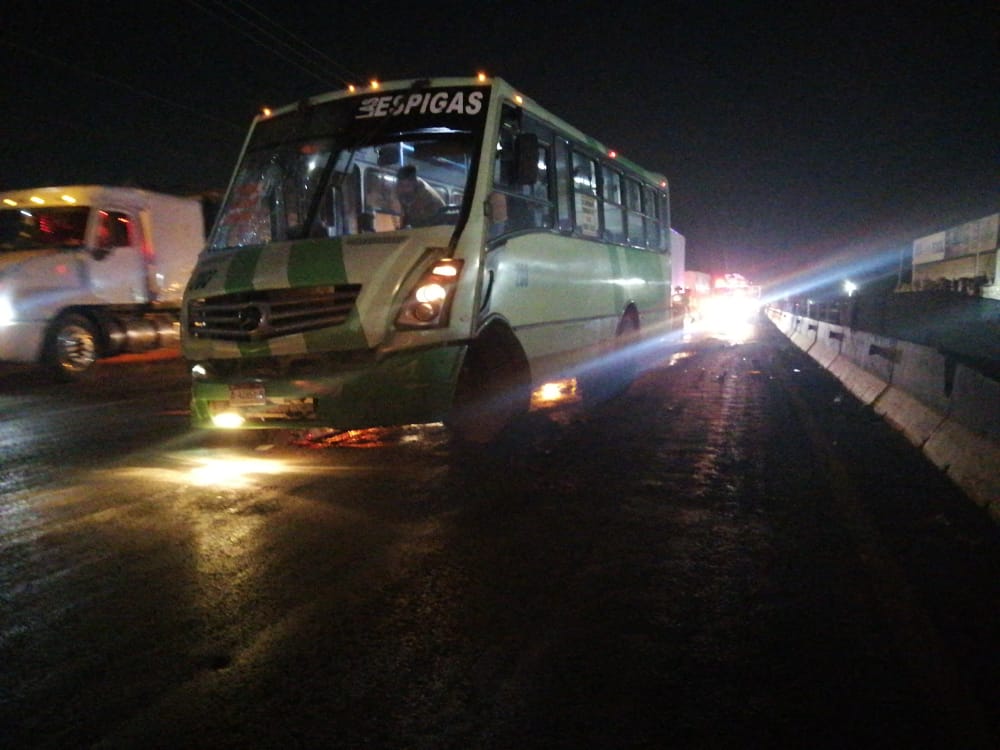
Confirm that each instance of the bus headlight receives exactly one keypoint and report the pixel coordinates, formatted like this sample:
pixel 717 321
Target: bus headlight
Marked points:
pixel 227 420
pixel 428 304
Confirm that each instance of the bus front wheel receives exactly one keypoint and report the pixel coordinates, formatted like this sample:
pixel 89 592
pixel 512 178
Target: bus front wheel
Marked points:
pixel 494 388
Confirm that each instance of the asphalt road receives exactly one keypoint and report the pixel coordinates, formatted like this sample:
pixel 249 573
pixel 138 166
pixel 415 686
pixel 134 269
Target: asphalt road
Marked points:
pixel 733 554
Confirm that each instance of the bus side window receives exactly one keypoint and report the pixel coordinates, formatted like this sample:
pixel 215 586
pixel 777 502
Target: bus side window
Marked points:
pixel 564 186
pixel 528 204
pixel 633 199
pixel 652 222
pixel 587 220
pixel 514 205
pixel 611 192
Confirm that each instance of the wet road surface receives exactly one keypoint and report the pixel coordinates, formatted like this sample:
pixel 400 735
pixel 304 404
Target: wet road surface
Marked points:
pixel 733 554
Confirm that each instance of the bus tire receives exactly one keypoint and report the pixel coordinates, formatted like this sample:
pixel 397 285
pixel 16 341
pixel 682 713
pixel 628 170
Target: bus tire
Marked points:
pixel 71 347
pixel 494 388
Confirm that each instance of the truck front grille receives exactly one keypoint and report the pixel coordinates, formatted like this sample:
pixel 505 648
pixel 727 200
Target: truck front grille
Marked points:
pixel 266 314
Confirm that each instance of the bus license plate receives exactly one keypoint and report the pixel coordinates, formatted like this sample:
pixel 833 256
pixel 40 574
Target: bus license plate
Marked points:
pixel 246 394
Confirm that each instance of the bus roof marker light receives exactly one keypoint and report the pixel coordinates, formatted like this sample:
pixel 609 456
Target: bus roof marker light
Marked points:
pixel 68 198
pixel 266 111
pixel 37 201
pixel 612 153
pixel 9 202
pixel 374 84
pixel 481 76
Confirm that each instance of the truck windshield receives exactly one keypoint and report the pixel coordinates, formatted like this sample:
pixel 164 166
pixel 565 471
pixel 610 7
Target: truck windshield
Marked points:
pixel 333 169
pixel 37 228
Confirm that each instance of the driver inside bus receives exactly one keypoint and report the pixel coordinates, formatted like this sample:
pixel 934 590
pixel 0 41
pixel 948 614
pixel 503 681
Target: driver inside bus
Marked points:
pixel 419 201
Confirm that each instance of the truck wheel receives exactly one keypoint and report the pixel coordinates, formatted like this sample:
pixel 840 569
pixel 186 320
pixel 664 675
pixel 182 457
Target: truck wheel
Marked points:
pixel 494 388
pixel 70 347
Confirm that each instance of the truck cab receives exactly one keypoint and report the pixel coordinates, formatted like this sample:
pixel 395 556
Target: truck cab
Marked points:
pixel 92 271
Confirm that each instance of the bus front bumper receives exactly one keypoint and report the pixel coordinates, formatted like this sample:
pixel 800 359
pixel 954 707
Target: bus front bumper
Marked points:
pixel 404 388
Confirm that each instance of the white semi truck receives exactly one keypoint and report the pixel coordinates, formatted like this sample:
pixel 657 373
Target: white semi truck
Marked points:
pixel 91 271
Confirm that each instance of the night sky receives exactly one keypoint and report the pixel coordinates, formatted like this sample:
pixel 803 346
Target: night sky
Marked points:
pixel 795 135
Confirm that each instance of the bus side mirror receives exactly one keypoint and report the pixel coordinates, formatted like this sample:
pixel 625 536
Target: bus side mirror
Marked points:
pixel 526 158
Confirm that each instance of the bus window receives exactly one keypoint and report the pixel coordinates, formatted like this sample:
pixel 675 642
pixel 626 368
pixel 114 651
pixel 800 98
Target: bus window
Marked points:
pixel 564 185
pixel 611 192
pixel 515 205
pixel 663 213
pixel 633 200
pixel 653 228
pixel 585 191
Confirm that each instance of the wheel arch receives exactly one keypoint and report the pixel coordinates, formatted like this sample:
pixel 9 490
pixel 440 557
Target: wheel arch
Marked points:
pixel 493 386
pixel 496 331
pixel 630 316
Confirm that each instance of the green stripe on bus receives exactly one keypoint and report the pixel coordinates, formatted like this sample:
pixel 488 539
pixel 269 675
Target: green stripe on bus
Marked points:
pixel 239 275
pixel 346 336
pixel 316 262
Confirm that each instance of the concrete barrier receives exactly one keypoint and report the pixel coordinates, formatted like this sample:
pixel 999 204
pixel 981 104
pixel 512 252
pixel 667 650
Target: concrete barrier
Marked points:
pixel 866 378
pixel 975 403
pixel 826 348
pixel 782 320
pixel 967 445
pixel 803 333
pixel 908 414
pixel 947 409
pixel 917 399
pixel 970 459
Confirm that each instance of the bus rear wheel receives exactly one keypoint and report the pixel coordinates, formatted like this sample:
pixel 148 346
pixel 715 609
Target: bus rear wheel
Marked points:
pixel 494 388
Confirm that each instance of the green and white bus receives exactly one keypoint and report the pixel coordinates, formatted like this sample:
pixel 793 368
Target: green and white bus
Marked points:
pixel 324 300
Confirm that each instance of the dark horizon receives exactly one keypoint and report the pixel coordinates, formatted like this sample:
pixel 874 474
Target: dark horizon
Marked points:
pixel 788 136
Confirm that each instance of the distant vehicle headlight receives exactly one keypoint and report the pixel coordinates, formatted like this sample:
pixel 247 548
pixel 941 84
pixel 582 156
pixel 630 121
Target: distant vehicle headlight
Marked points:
pixel 7 314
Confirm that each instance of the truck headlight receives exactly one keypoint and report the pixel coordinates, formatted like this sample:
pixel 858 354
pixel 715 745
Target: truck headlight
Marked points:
pixel 6 310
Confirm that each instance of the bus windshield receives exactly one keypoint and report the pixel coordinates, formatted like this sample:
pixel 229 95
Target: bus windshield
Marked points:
pixel 329 171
